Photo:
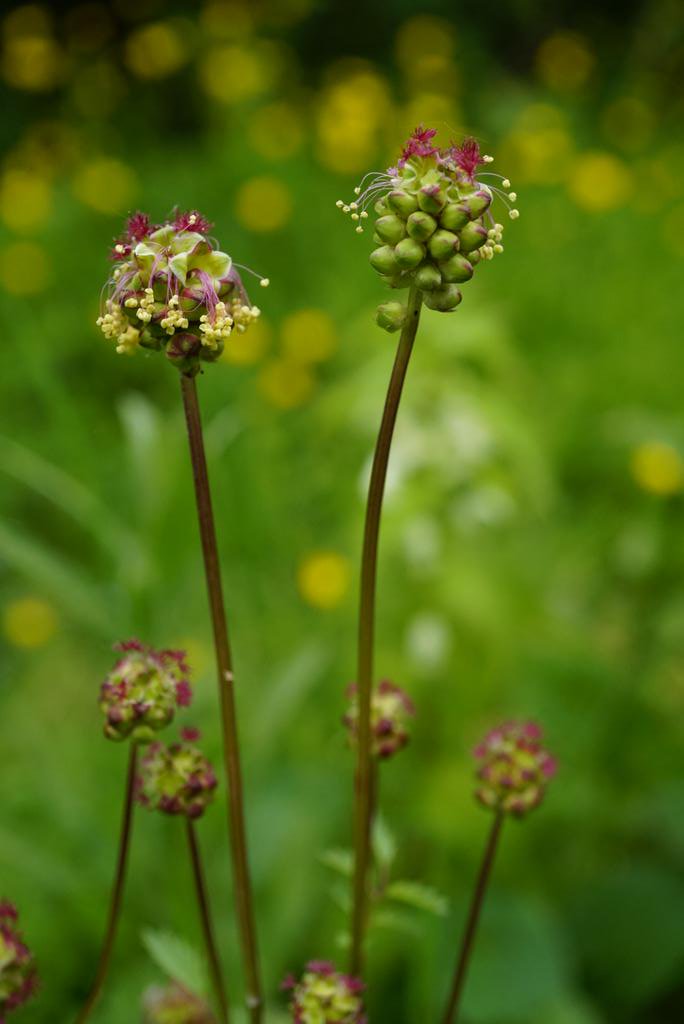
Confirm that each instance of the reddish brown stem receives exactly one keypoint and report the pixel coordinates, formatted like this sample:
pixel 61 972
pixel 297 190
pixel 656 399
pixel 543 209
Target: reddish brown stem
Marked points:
pixel 207 924
pixel 224 664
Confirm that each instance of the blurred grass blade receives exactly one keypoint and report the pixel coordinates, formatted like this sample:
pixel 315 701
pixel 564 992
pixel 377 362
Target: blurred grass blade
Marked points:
pixel 415 894
pixel 177 959
pixel 68 588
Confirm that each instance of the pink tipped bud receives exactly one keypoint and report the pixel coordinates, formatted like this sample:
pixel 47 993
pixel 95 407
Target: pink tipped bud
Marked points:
pixel 18 978
pixel 141 693
pixel 514 768
pixel 323 994
pixel 391 709
pixel 176 779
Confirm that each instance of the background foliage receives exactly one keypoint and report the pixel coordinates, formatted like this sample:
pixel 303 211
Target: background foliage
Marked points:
pixel 531 552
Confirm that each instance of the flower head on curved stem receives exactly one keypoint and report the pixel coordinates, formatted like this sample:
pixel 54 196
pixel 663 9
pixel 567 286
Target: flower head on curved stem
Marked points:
pixel 176 779
pixel 514 769
pixel 391 709
pixel 325 995
pixel 433 220
pixel 18 978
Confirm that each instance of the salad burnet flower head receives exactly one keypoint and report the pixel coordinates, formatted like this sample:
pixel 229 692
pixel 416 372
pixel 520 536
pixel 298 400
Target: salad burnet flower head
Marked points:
pixel 433 220
pixel 513 768
pixel 174 291
pixel 324 996
pixel 142 692
pixel 176 779
pixel 173 1004
pixel 391 711
pixel 18 978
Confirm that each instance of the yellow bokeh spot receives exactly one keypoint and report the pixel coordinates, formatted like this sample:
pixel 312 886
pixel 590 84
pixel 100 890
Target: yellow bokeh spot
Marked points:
pixel 323 579
pixel 628 123
pixel 263 204
pixel 29 622
pixel 285 383
pixel 25 268
pixel 155 50
pixel 308 336
pixel 276 131
pixel 245 347
pixel 539 147
pixel 105 184
pixel 25 200
pixel 564 61
pixel 600 181
pixel 354 109
pixel 232 74
pixel 33 62
pixel 657 468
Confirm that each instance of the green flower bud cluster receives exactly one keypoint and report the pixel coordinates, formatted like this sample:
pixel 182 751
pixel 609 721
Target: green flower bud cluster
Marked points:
pixel 324 996
pixel 175 1005
pixel 433 222
pixel 177 779
pixel 391 710
pixel 141 693
pixel 18 978
pixel 171 290
pixel 514 768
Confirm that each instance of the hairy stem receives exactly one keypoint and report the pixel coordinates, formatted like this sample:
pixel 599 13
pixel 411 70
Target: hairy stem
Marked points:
pixel 207 924
pixel 231 751
pixel 117 888
pixel 363 808
pixel 473 918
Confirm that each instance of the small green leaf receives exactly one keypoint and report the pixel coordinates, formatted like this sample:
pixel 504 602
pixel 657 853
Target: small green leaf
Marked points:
pixel 177 959
pixel 415 894
pixel 384 844
pixel 338 860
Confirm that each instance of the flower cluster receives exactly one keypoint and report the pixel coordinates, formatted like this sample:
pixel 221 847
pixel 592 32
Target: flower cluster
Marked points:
pixel 141 693
pixel 18 979
pixel 175 1005
pixel 323 996
pixel 176 779
pixel 433 224
pixel 172 290
pixel 514 768
pixel 391 708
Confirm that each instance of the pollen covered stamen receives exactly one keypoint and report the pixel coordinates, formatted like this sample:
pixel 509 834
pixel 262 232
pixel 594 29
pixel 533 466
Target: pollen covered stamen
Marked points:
pixel 217 329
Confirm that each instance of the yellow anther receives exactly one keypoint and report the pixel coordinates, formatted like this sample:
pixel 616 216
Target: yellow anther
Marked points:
pixel 354 216
pixel 514 214
pixel 357 190
pixel 264 282
pixel 488 159
pixel 498 248
pixel 364 214
pixel 505 183
pixel 131 302
pixel 339 204
pixel 359 230
pixel 513 196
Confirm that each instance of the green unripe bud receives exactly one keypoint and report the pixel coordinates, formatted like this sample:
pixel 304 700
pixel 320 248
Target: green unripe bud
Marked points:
pixel 420 225
pixel 384 261
pixel 402 202
pixel 381 207
pixel 444 299
pixel 391 316
pixel 431 198
pixel 428 277
pixel 472 237
pixel 454 217
pixel 443 244
pixel 456 269
pixel 183 350
pixel 390 228
pixel 409 253
pixel 478 202
pixel 398 281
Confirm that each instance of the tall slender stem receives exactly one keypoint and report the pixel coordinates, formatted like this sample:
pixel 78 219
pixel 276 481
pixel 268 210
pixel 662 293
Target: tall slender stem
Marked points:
pixel 224 664
pixel 117 889
pixel 363 810
pixel 473 918
pixel 207 924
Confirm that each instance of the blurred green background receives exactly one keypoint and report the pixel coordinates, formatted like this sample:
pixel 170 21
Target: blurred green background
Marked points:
pixel 532 561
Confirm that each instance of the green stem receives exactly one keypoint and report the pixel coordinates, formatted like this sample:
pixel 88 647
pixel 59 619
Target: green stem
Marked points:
pixel 207 924
pixel 224 664
pixel 473 918
pixel 117 889
pixel 363 809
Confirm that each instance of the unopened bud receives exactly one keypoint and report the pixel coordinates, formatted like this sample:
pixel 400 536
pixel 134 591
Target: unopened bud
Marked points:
pixel 391 709
pixel 324 996
pixel 443 244
pixel 18 978
pixel 454 217
pixel 421 225
pixel 444 299
pixel 431 198
pixel 391 316
pixel 514 769
pixel 390 228
pixel 176 779
pixel 457 269
pixel 428 277
pixel 472 236
pixel 402 202
pixel 409 253
pixel 384 260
